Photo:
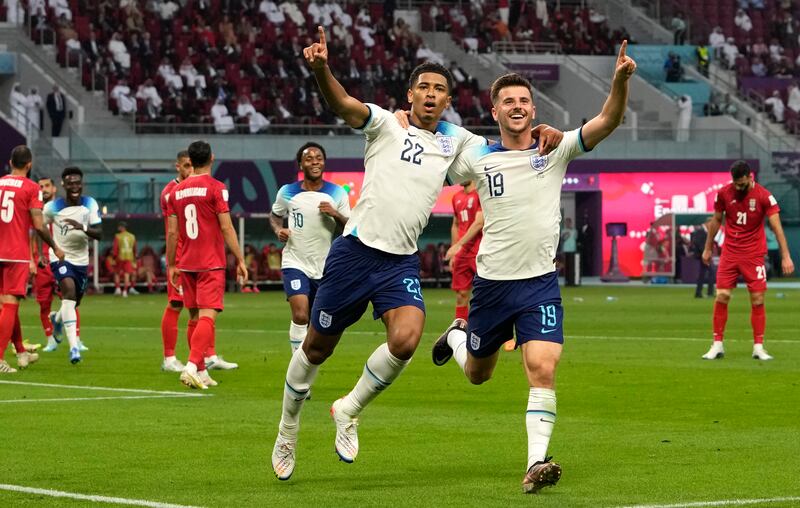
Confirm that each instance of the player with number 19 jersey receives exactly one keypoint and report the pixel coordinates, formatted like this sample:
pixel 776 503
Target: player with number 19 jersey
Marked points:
pixel 745 241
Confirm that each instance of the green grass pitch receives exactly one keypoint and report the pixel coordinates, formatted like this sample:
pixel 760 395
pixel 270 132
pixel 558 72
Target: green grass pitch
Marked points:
pixel 641 418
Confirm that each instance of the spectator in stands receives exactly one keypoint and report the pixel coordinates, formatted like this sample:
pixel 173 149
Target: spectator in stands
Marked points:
pixel 703 59
pixel 777 107
pixel 759 49
pixel 193 78
pixel 713 107
pixel 678 25
pixel 479 112
pixel 425 54
pixel 731 52
pixel 223 121
pixel 794 98
pixel 672 68
pixel 170 77
pixel 146 267
pixel 15 14
pixel 91 48
pixel 319 15
pixel 166 11
pixel 292 11
pixel 134 20
pixel 119 52
pixel 33 110
pixel 56 110
pixel 226 31
pixel 541 12
pixel 728 107
pixel 65 29
pixel 758 68
pixel 717 40
pixel 365 32
pixel 61 8
pixel 788 29
pixel 755 4
pixel 451 115
pixel 246 112
pixel 341 34
pixel 500 29
pixel 775 50
pixel 152 100
pixel 16 101
pixel 782 70
pixel 743 21
pixel 684 118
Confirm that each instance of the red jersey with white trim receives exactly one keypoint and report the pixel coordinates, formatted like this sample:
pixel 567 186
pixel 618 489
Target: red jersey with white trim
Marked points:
pixel 465 206
pixel 18 195
pixel 197 201
pixel 744 219
pixel 165 212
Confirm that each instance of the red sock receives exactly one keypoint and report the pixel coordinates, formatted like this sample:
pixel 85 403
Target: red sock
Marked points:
pixel 77 322
pixel 190 326
pixel 720 318
pixel 462 311
pixel 201 338
pixel 212 347
pixel 16 337
pixel 169 330
pixel 758 318
pixel 8 317
pixel 44 316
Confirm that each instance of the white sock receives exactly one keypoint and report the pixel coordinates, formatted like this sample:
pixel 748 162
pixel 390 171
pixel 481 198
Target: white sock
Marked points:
pixel 457 340
pixel 299 378
pixel 381 369
pixel 51 339
pixel 70 320
pixel 297 334
pixel 170 358
pixel 539 420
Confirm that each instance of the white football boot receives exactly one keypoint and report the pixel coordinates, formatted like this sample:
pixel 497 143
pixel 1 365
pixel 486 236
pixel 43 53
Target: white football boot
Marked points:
pixel 206 379
pixel 759 353
pixel 716 352
pixel 346 433
pixel 217 363
pixel 26 358
pixel 283 457
pixel 5 368
pixel 190 378
pixel 172 365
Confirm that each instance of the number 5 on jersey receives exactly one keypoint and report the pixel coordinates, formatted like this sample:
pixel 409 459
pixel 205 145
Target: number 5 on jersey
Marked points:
pixel 7 206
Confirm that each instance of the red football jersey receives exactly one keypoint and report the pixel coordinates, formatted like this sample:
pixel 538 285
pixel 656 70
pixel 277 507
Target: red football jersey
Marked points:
pixel 165 212
pixel 18 195
pixel 197 201
pixel 744 219
pixel 465 206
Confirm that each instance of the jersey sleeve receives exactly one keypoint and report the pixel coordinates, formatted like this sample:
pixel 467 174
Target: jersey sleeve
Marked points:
pixel 281 205
pixel 770 205
pixel 49 212
pixel 221 199
pixel 462 167
pixel 571 146
pixel 719 204
pixel 35 199
pixel 376 121
pixel 343 202
pixel 94 213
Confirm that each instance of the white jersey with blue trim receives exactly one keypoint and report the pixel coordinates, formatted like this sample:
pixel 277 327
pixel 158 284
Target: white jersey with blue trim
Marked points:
pixel 74 242
pixel 311 230
pixel 404 174
pixel 520 193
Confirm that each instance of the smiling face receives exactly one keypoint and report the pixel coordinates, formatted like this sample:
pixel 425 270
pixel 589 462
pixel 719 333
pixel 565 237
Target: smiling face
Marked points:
pixel 514 110
pixel 312 162
pixel 73 187
pixel 429 96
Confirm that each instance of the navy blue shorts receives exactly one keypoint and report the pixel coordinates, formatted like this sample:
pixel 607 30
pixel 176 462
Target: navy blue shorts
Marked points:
pixel 64 270
pixel 355 275
pixel 532 306
pixel 296 282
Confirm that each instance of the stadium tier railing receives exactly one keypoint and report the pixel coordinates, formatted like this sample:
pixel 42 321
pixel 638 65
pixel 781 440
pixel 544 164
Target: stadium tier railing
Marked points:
pixel 526 47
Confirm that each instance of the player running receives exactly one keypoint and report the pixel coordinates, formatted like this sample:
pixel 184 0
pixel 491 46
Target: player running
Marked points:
pixel 200 220
pixel 123 250
pixel 44 284
pixel 75 219
pixel 169 321
pixel 745 204
pixel 375 260
pixel 20 210
pixel 516 288
pixel 315 209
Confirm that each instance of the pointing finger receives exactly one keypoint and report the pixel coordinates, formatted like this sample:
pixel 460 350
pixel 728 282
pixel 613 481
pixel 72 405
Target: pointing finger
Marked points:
pixel 622 48
pixel 321 31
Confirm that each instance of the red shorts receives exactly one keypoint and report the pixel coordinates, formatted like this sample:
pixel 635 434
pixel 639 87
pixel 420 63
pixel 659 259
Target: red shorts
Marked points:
pixel 14 278
pixel 464 270
pixel 44 284
pixel 124 267
pixel 173 294
pixel 752 269
pixel 203 290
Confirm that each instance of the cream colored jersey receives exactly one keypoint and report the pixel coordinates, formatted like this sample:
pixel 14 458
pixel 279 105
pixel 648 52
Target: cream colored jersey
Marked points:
pixel 74 242
pixel 311 230
pixel 520 192
pixel 404 174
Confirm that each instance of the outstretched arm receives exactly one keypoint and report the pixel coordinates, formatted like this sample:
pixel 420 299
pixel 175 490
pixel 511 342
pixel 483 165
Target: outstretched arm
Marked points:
pixel 354 112
pixel 600 127
pixel 787 266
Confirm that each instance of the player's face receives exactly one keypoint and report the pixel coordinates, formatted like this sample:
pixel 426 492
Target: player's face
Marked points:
pixel 312 162
pixel 184 167
pixel 514 109
pixel 48 189
pixel 743 184
pixel 73 186
pixel 429 97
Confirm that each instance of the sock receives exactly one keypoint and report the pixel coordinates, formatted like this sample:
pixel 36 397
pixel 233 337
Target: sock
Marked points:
pixel 299 377
pixel 539 420
pixel 201 338
pixel 758 319
pixel 720 318
pixel 169 330
pixel 211 350
pixel 70 320
pixel 44 316
pixel 77 322
pixel 457 340
pixel 297 334
pixel 16 336
pixel 190 326
pixel 8 316
pixel 462 311
pixel 381 369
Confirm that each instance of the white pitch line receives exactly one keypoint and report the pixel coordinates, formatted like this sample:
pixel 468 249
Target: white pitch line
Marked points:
pixel 122 397
pixel 87 497
pixel 724 502
pixel 103 388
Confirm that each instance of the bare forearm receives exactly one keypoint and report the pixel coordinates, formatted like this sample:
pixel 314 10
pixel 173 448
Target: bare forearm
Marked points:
pixel 713 229
pixel 276 223
pixel 777 228
pixel 229 234
pixel 351 110
pixel 453 234
pixel 172 240
pixel 339 218
pixel 472 231
pixel 44 234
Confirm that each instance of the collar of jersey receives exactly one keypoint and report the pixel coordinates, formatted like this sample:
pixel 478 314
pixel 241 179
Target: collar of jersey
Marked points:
pixel 498 147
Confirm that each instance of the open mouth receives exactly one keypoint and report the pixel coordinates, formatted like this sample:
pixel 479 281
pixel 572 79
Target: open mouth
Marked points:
pixel 517 116
pixel 429 106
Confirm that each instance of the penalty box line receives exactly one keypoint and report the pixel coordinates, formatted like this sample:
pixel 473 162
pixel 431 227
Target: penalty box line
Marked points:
pixel 721 502
pixel 89 497
pixel 147 394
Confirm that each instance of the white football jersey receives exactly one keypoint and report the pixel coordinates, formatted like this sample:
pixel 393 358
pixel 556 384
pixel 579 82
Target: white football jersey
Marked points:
pixel 404 174
pixel 520 193
pixel 311 230
pixel 74 242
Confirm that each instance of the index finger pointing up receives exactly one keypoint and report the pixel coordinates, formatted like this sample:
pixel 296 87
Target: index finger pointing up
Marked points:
pixel 622 48
pixel 321 31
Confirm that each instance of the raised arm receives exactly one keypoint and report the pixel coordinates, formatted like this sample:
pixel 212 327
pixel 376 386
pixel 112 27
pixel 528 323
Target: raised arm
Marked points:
pixel 600 127
pixel 713 229
pixel 354 112
pixel 786 258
